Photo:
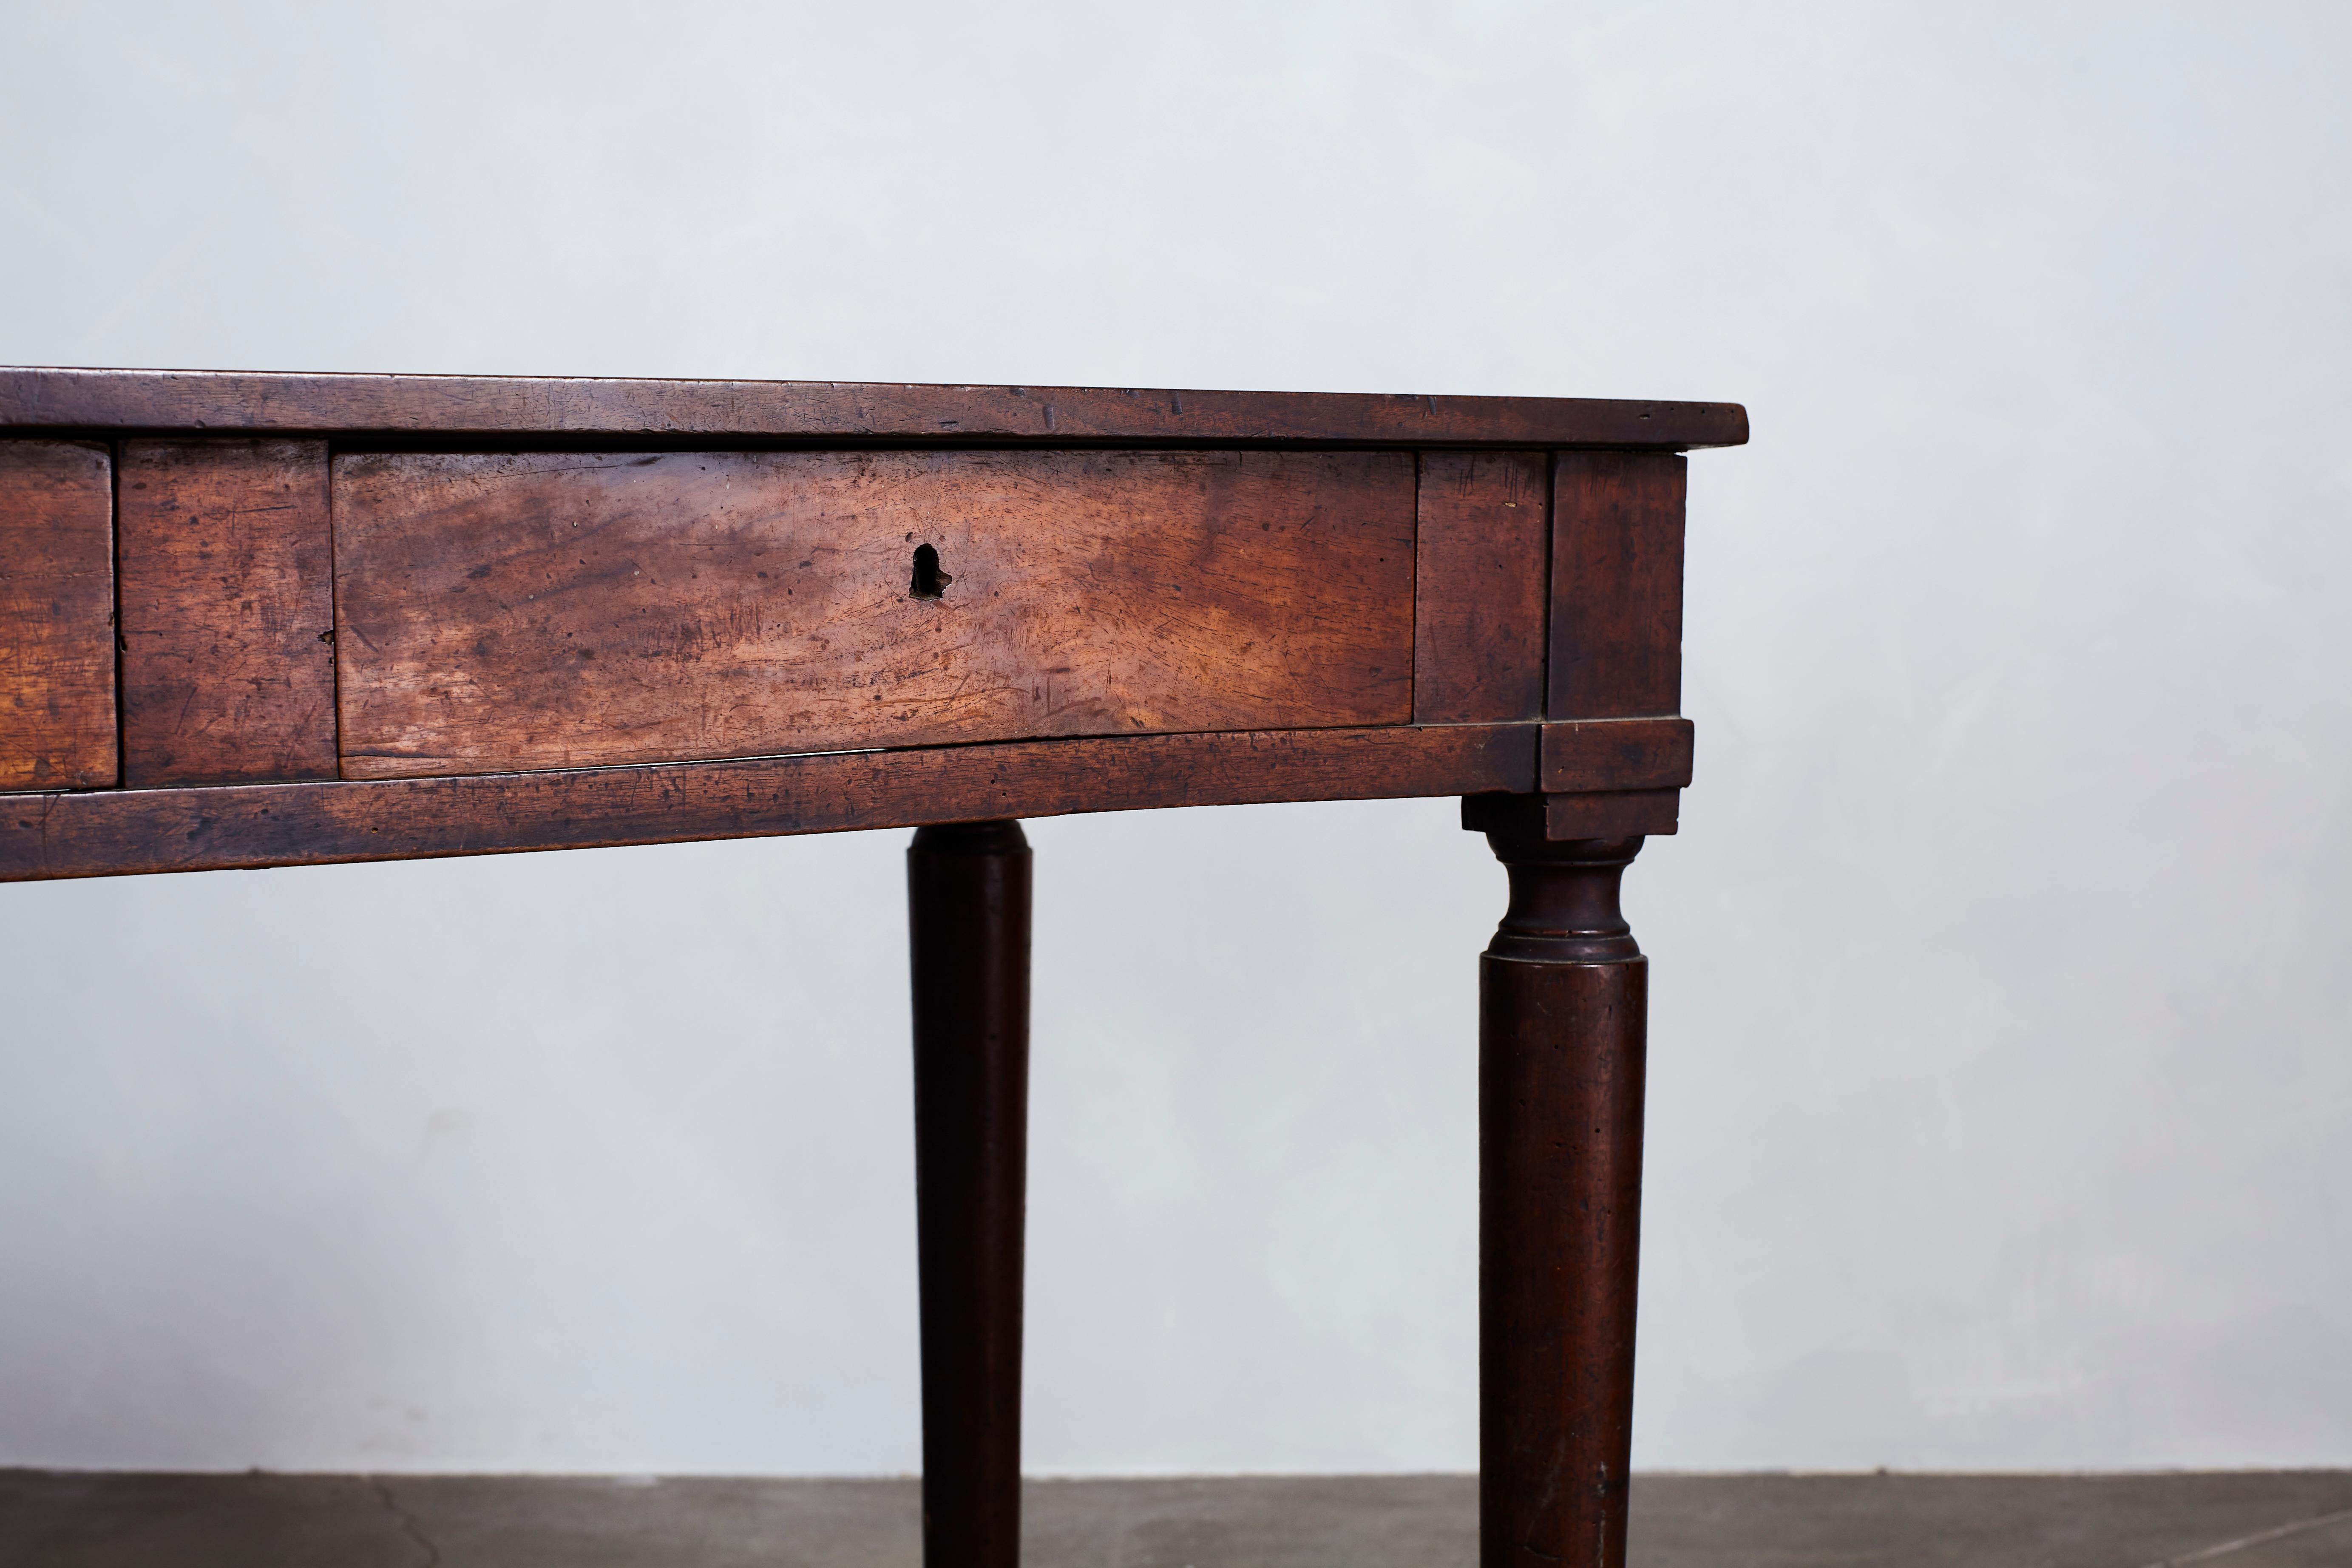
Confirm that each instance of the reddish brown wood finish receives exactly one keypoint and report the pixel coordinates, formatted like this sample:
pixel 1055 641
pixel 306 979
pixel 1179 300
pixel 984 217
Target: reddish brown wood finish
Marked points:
pixel 577 408
pixel 1563 998
pixel 1611 778
pixel 229 672
pixel 1231 597
pixel 57 615
pixel 1615 813
pixel 504 612
pixel 310 823
pixel 1617 753
pixel 1479 589
pixel 1595 814
pixel 968 890
pixel 1616 585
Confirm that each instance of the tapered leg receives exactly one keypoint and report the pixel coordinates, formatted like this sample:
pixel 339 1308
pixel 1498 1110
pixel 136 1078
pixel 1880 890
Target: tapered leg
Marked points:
pixel 1563 996
pixel 968 891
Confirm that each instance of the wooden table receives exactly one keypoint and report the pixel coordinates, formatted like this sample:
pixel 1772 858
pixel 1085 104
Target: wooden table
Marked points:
pixel 276 620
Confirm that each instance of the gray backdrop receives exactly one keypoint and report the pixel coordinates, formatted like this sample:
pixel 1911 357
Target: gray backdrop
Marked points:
pixel 2001 1094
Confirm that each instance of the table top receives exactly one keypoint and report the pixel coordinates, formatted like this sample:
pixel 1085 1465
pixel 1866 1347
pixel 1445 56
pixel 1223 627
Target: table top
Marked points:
pixel 583 407
pixel 264 619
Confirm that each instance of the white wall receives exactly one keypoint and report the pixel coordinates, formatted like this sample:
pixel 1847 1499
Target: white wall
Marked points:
pixel 2002 1093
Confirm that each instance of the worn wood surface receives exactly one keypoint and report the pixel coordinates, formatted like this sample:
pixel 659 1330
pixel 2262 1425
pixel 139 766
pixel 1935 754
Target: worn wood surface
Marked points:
pixel 57 615
pixel 577 408
pixel 512 612
pixel 1202 598
pixel 1563 1004
pixel 112 833
pixel 1617 753
pixel 229 672
pixel 1617 586
pixel 1479 588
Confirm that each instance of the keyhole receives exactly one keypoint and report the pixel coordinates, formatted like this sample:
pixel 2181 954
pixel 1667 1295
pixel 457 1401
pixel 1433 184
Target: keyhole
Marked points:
pixel 930 583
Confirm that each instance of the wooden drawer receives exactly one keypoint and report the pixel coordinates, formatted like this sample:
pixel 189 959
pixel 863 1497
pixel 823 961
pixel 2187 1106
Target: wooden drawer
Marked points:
pixel 57 615
pixel 523 611
pixel 228 673
pixel 372 617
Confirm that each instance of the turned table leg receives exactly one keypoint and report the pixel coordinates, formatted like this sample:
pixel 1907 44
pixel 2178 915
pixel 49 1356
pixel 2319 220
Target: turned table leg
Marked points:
pixel 968 894
pixel 1563 1012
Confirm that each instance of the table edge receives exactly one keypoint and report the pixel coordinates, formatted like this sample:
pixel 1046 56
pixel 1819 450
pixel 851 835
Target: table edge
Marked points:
pixel 57 399
pixel 98 833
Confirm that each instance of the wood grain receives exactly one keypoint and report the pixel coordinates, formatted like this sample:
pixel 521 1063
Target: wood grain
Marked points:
pixel 228 674
pixel 57 615
pixel 1614 813
pixel 1617 753
pixel 510 611
pixel 968 903
pixel 1479 588
pixel 1617 586
pixel 1563 1009
pixel 244 826
pixel 576 408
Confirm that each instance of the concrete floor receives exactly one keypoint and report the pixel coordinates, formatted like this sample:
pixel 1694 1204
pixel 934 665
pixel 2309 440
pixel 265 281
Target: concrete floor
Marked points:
pixel 64 1520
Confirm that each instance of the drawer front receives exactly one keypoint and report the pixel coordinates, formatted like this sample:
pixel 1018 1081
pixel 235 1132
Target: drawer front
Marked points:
pixel 520 611
pixel 57 615
pixel 227 673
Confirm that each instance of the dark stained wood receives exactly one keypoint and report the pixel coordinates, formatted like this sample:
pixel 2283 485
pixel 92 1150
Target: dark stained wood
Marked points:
pixel 1617 586
pixel 57 615
pixel 512 612
pixel 1609 813
pixel 309 824
pixel 1027 602
pixel 1617 753
pixel 1563 1005
pixel 1479 589
pixel 968 924
pixel 228 672
pixel 1593 814
pixel 578 407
